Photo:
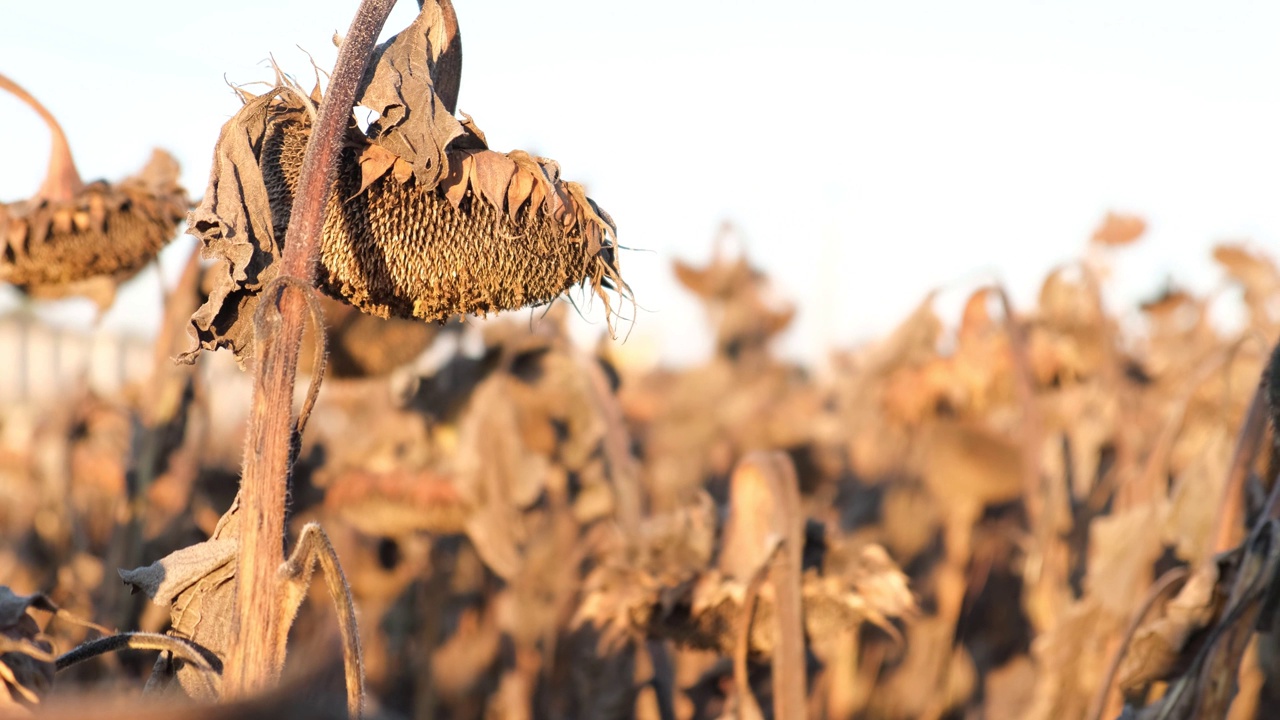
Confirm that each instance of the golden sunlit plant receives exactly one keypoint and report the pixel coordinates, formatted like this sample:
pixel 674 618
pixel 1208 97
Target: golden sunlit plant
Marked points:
pixel 1056 511
pixel 415 218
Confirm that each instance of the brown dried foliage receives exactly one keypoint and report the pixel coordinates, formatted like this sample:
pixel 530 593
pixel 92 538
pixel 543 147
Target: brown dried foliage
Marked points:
pixel 26 656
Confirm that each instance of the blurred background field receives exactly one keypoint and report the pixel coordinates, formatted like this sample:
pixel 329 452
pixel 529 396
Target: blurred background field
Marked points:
pixel 536 529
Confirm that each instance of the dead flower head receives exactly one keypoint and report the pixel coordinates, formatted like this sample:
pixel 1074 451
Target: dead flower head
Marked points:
pixel 71 233
pixel 423 221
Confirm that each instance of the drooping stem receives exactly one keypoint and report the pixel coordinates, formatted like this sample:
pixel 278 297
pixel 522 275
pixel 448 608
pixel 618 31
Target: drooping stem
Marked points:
pixel 62 181
pixel 256 657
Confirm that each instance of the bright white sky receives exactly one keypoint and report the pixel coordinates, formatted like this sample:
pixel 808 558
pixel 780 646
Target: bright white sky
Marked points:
pixel 868 150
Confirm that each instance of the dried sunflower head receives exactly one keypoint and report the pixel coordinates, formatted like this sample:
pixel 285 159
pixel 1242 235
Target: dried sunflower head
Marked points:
pixel 71 233
pixel 423 220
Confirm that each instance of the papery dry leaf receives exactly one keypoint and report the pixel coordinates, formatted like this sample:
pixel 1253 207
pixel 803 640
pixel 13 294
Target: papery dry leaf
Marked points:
pixel 1260 277
pixel 362 345
pixel 1157 646
pixel 235 224
pixel 1197 485
pixel 1228 601
pixel 414 122
pixel 26 656
pixel 197 584
pixel 494 469
pixel 740 300
pixel 965 463
pixel 1123 546
pixel 1251 268
pixel 1119 229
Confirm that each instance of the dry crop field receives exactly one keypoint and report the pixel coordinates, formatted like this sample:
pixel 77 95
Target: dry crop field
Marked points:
pixel 1038 513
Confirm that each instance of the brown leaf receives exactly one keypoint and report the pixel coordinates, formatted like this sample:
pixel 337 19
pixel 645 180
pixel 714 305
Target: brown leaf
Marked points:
pixel 1259 276
pixel 414 122
pixel 26 659
pixel 458 181
pixel 1157 646
pixel 236 225
pixel 375 161
pixel 197 584
pixel 470 126
pixel 167 578
pixel 492 177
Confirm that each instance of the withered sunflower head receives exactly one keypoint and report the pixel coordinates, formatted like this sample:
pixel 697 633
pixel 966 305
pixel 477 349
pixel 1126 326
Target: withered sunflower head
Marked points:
pixel 70 235
pixel 423 220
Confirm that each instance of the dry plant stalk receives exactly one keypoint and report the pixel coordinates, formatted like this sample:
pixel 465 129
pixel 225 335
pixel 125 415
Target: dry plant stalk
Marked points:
pixel 256 657
pixel 764 535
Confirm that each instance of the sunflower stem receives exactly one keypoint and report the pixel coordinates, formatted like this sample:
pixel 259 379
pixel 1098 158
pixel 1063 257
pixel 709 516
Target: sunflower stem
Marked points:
pixel 257 655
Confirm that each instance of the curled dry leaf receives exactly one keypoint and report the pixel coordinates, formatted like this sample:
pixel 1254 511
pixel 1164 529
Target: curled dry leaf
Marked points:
pixel 1157 645
pixel 71 234
pixel 741 301
pixel 1252 269
pixel 26 656
pixel 423 221
pixel 415 105
pixel 197 584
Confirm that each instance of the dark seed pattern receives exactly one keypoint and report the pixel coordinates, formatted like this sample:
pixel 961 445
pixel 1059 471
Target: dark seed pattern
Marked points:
pixel 397 250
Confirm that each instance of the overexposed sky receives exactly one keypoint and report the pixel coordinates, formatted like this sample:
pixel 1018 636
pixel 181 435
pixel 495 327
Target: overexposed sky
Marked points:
pixel 869 151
